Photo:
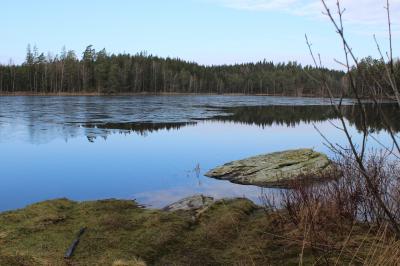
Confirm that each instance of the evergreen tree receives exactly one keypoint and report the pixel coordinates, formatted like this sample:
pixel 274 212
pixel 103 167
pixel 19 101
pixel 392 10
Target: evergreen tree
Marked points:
pixel 125 73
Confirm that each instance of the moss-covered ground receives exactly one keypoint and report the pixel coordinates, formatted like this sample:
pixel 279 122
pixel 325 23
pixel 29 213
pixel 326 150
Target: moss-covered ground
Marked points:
pixel 230 232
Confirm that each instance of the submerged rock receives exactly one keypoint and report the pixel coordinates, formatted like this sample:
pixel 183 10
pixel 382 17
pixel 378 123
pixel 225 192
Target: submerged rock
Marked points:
pixel 278 169
pixel 195 202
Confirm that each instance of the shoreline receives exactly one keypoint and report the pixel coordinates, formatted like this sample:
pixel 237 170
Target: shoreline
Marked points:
pixel 97 94
pixel 23 93
pixel 221 233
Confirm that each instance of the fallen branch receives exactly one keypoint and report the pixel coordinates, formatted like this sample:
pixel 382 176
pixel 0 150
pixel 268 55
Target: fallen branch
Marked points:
pixel 72 248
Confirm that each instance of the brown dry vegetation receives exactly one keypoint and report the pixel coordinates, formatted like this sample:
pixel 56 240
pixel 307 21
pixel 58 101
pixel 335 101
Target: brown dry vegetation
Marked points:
pixel 344 208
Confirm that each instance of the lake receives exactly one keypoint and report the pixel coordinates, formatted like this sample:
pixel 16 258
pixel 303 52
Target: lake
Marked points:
pixel 154 149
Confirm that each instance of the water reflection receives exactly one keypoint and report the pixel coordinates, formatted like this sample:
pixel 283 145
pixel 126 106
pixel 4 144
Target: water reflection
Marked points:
pixel 264 116
pixel 140 128
pixel 292 116
pixel 155 149
pixel 40 120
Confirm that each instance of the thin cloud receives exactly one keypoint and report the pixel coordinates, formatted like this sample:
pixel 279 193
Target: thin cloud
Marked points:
pixel 258 4
pixel 358 12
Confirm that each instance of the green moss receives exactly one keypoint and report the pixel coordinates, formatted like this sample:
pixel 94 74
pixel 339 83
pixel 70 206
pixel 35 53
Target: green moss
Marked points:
pixel 229 232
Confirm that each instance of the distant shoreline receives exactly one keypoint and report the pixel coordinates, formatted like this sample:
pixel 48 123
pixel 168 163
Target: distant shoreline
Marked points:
pixel 89 94
pixel 23 93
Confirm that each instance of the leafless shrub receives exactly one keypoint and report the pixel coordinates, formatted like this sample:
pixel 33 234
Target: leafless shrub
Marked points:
pixel 372 181
pixel 347 197
pixel 364 191
pixel 324 213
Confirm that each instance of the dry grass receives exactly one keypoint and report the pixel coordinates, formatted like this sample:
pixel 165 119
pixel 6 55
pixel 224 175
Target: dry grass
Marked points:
pixel 230 232
pixel 339 221
pixel 134 262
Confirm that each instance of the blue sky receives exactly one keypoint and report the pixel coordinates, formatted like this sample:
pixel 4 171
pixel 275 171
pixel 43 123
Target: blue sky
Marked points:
pixel 205 31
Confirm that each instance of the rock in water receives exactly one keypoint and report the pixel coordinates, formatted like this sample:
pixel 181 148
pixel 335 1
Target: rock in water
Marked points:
pixel 277 169
pixel 192 203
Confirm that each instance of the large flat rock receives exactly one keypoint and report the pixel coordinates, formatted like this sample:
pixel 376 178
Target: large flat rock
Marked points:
pixel 278 169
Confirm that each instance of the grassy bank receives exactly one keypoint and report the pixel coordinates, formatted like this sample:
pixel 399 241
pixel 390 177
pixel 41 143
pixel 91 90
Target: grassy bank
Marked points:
pixel 230 232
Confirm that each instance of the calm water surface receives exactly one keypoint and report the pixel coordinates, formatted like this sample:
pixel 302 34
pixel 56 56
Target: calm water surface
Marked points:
pixel 151 148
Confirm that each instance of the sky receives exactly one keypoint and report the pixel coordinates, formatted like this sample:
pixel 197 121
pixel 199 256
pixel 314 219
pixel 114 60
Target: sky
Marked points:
pixel 205 31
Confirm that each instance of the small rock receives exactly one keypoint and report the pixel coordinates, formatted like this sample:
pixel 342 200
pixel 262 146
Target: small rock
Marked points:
pixel 195 203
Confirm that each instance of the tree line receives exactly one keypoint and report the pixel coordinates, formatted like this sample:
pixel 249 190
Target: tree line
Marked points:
pixel 371 80
pixel 101 72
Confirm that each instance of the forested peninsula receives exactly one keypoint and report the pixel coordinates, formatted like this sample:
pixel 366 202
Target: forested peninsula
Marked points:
pixel 105 73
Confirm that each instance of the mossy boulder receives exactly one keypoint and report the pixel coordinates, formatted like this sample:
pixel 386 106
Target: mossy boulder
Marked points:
pixel 278 169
